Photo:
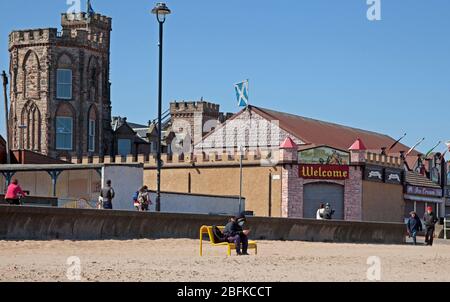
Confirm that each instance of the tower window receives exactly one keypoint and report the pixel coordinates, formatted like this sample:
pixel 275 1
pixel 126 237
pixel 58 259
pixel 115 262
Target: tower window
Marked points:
pixel 64 133
pixel 64 84
pixel 91 136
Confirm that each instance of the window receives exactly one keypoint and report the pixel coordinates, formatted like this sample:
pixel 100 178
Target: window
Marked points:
pixel 64 131
pixel 124 147
pixel 91 139
pixel 64 84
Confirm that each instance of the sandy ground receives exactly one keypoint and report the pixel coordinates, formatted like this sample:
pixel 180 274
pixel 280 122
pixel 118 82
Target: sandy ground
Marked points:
pixel 178 260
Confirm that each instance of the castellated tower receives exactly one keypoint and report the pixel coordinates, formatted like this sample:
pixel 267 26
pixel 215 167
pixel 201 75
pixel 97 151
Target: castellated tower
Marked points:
pixel 195 115
pixel 60 89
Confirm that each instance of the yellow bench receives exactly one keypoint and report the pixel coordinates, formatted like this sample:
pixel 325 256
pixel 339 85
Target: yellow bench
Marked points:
pixel 208 230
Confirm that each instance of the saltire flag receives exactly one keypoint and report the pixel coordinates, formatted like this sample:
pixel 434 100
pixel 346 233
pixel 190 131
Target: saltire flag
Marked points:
pixel 415 146
pixel 90 10
pixel 396 143
pixel 242 93
pixel 432 149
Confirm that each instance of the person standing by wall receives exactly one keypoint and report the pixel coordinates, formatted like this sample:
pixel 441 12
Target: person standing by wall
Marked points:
pixel 14 193
pixel 430 219
pixel 144 199
pixel 107 193
pixel 320 212
pixel 328 212
pixel 414 226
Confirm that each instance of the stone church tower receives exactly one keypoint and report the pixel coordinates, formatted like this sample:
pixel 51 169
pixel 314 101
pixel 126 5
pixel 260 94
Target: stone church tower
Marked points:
pixel 60 89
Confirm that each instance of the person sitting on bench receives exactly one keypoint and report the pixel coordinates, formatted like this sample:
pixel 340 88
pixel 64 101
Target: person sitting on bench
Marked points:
pixel 236 234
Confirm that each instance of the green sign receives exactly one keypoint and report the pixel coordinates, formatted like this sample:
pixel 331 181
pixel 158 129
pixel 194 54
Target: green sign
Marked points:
pixel 324 156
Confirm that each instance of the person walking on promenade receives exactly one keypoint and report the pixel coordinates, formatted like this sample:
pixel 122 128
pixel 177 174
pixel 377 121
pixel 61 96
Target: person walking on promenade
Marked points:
pixel 235 233
pixel 144 199
pixel 107 193
pixel 430 219
pixel 14 193
pixel 414 226
pixel 320 212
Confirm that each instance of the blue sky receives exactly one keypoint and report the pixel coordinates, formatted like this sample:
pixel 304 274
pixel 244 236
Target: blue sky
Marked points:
pixel 316 58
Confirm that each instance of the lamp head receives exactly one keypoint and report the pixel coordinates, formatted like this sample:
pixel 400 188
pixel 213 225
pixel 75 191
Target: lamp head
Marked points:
pixel 161 11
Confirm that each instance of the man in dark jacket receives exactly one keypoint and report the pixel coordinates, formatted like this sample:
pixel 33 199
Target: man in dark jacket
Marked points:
pixel 414 225
pixel 107 193
pixel 236 234
pixel 328 212
pixel 430 219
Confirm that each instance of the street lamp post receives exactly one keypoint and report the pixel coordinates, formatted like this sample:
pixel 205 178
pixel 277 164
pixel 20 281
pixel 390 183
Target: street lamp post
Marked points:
pixel 161 11
pixel 5 85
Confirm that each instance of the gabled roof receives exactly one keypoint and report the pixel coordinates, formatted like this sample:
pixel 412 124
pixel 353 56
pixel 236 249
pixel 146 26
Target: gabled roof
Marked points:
pixel 316 133
pixel 137 126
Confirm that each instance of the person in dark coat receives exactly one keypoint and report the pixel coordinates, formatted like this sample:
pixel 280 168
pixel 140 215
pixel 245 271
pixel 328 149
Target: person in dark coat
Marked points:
pixel 430 219
pixel 328 212
pixel 414 226
pixel 107 193
pixel 235 233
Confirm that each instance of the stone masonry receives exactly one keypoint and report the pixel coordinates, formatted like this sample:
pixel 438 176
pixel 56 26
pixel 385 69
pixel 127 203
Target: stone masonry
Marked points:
pixel 35 56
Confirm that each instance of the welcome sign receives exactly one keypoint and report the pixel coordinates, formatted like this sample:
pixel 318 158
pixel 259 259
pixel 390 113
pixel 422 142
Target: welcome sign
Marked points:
pixel 330 172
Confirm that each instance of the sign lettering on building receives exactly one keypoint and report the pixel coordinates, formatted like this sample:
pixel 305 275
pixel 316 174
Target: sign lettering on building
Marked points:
pixel 330 172
pixel 423 191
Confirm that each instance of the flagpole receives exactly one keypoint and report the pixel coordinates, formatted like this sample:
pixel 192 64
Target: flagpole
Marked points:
pixel 431 150
pixel 413 148
pixel 240 179
pixel 248 93
pixel 397 142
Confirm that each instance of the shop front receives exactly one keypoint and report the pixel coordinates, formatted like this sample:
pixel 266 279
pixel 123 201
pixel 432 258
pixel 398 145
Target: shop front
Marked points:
pixel 324 184
pixel 418 199
pixel 447 201
pixel 324 175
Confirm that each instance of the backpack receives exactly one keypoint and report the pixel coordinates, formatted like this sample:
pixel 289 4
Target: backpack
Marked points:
pixel 135 196
pixel 219 237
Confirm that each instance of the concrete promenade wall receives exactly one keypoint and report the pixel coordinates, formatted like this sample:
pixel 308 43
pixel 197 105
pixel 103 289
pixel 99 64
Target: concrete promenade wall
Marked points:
pixel 30 223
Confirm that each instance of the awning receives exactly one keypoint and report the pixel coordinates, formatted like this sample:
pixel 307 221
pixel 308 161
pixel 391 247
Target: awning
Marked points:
pixel 423 198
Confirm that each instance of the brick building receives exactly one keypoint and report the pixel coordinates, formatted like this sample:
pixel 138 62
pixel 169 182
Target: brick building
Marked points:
pixel 60 89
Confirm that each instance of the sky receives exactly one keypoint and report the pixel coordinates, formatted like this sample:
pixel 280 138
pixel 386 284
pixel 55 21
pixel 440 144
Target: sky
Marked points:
pixel 316 58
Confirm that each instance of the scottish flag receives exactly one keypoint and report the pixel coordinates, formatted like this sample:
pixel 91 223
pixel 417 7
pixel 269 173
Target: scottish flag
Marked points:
pixel 90 10
pixel 242 93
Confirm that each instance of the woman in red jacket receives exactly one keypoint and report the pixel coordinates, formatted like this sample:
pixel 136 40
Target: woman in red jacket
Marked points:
pixel 14 193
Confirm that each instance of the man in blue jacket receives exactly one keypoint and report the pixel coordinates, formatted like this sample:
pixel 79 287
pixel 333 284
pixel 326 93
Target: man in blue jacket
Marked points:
pixel 414 225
